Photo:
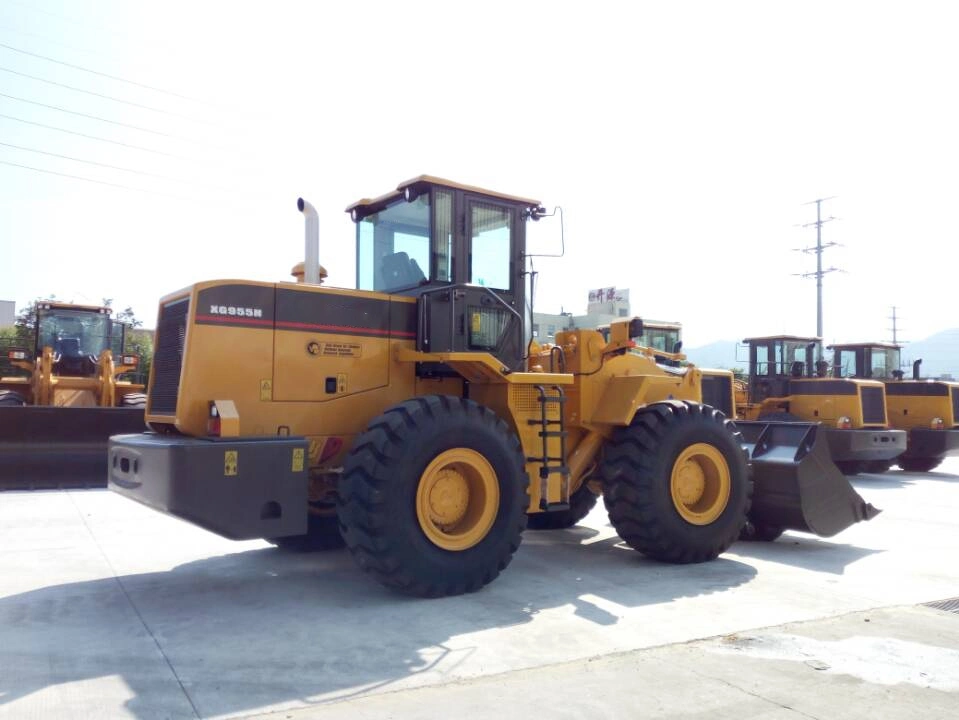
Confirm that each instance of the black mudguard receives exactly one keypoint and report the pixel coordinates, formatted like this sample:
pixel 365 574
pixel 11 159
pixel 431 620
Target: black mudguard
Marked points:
pixel 796 484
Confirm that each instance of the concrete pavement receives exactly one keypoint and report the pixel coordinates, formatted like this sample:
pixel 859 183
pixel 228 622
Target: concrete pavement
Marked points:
pixel 108 609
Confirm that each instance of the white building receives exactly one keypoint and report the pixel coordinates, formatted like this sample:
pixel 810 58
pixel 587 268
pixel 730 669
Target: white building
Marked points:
pixel 8 313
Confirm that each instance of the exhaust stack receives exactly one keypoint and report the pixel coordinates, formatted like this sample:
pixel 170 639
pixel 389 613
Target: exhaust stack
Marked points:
pixel 915 369
pixel 311 265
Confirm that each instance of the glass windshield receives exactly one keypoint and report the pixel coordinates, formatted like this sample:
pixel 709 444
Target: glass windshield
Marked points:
pixel 794 358
pixel 393 246
pixel 74 333
pixel 664 339
pixel 845 363
pixel 884 362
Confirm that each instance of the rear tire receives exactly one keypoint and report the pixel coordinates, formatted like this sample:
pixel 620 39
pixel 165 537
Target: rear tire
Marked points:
pixel 850 467
pixel 917 464
pixel 11 398
pixel 322 533
pixel 580 504
pixel 676 484
pixel 433 497
pixel 761 533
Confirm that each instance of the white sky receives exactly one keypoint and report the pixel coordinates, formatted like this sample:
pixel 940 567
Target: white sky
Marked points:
pixel 681 139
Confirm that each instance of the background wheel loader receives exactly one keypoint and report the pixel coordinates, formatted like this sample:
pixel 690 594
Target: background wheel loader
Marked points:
pixel 62 399
pixel 928 410
pixel 415 418
pixel 786 385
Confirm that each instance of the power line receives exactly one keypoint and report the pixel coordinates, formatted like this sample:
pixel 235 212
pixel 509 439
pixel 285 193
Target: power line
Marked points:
pixel 101 74
pixel 106 97
pixel 104 165
pixel 818 250
pixel 93 137
pixel 46 39
pixel 90 180
pixel 97 118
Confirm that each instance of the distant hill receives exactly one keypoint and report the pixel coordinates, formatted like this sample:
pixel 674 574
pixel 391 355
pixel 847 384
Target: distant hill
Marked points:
pixel 939 353
pixel 719 354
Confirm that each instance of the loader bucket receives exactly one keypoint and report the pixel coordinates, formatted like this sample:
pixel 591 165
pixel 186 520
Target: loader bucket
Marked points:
pixel 44 447
pixel 796 484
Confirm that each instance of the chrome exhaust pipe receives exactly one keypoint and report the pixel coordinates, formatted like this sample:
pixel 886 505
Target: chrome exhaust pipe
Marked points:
pixel 311 264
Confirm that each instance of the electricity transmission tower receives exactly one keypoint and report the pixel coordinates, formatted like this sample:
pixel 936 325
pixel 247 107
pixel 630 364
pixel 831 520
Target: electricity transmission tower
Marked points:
pixel 818 250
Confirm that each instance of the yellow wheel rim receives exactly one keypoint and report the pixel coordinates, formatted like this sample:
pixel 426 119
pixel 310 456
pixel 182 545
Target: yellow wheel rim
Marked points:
pixel 700 484
pixel 457 499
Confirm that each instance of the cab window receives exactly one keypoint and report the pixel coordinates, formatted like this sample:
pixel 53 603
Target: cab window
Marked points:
pixel 490 245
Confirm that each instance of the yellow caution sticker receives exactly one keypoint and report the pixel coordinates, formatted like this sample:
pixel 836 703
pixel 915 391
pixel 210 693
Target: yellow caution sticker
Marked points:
pixel 477 322
pixel 231 462
pixel 266 389
pixel 298 459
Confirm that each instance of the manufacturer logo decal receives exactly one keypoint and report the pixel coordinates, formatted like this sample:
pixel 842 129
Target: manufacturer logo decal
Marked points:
pixel 234 311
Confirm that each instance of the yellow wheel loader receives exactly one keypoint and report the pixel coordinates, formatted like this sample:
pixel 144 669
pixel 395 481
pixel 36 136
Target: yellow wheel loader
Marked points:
pixel 415 420
pixel 787 384
pixel 66 399
pixel 928 410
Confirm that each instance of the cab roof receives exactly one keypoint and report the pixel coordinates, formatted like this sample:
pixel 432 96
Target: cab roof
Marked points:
pixel 856 346
pixel 371 205
pixel 787 338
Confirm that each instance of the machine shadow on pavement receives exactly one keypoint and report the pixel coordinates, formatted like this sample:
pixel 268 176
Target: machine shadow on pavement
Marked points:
pixel 264 628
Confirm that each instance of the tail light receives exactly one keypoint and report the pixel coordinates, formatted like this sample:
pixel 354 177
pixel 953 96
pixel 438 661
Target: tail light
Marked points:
pixel 213 421
pixel 937 423
pixel 17 354
pixel 843 422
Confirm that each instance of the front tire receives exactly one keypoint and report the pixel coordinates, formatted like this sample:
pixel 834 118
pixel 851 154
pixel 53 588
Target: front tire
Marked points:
pixel 136 399
pixel 676 484
pixel 11 398
pixel 433 497
pixel 918 464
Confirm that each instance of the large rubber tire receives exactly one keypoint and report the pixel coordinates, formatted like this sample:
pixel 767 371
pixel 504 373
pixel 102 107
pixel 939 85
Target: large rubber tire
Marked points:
pixel 877 467
pixel 135 399
pixel 761 533
pixel 918 464
pixel 11 398
pixel 651 471
pixel 322 533
pixel 851 467
pixel 580 503
pixel 433 497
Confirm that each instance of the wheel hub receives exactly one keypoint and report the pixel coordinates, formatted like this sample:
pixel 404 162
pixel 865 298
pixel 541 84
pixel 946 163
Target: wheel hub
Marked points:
pixel 448 497
pixel 700 484
pixel 457 499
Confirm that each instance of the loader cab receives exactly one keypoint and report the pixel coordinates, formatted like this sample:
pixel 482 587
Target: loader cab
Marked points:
pixel 775 360
pixel 460 251
pixel 878 361
pixel 662 337
pixel 76 334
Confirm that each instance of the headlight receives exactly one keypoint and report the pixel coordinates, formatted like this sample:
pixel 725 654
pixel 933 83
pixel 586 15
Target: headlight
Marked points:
pixel 843 422
pixel 937 423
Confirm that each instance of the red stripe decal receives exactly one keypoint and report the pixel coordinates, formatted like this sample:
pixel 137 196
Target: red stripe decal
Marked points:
pixel 289 325
pixel 234 320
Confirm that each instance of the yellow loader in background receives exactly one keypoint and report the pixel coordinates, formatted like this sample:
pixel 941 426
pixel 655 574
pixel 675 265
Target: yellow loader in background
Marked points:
pixel 63 398
pixel 415 420
pixel 928 410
